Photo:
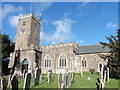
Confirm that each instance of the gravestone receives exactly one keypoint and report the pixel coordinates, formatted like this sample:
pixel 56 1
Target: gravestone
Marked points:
pixel 100 86
pixel 59 80
pixel 65 80
pixel 3 84
pixel 100 75
pixel 14 83
pixel 33 73
pixel 62 86
pixel 49 77
pixel 27 81
pixel 88 78
pixel 24 72
pixel 104 79
pixel 37 76
pixel 41 77
pixel 9 80
pixel 72 78
pixel 107 78
pixel 81 72
pixel 69 80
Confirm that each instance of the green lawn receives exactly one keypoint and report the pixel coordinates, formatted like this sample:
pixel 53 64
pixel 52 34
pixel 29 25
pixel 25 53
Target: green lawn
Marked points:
pixel 82 82
pixel 42 84
pixel 79 82
pixel 113 83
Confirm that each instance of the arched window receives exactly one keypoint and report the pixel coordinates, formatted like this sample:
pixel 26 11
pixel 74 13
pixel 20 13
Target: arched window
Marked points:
pixel 100 66
pixel 47 61
pixel 84 63
pixel 25 64
pixel 62 61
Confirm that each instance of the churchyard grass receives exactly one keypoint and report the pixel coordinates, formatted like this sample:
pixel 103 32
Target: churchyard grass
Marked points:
pixel 83 82
pixel 113 83
pixel 42 84
pixel 79 82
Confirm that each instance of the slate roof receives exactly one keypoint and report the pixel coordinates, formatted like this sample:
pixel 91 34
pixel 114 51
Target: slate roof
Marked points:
pixel 91 49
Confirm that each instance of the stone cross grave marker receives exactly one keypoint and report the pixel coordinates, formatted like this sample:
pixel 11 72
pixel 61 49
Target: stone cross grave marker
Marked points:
pixel 37 76
pixel 49 77
pixel 65 80
pixel 14 83
pixel 27 81
pixel 3 84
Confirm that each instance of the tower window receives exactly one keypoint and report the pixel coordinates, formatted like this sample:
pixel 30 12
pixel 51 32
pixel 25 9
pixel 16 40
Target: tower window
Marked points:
pixel 23 30
pixel 24 23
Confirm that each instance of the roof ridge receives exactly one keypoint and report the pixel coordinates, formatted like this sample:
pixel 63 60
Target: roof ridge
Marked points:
pixel 90 45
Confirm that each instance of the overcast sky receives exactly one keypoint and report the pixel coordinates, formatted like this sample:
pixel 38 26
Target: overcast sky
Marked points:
pixel 85 22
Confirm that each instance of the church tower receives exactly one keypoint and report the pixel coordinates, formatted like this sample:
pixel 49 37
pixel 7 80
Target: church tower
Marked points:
pixel 28 32
pixel 27 54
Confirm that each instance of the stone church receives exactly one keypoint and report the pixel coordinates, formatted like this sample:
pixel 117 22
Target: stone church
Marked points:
pixel 58 58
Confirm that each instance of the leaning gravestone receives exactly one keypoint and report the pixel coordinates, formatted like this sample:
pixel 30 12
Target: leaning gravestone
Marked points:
pixel 3 84
pixel 37 76
pixel 14 83
pixel 49 77
pixel 27 81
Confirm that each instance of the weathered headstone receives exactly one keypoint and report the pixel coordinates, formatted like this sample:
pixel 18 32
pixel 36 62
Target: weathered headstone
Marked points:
pixel 100 86
pixel 27 81
pixel 100 75
pixel 107 78
pixel 37 76
pixel 59 80
pixel 104 79
pixel 24 72
pixel 88 78
pixel 62 86
pixel 33 73
pixel 49 77
pixel 14 83
pixel 81 72
pixel 72 78
pixel 41 77
pixel 9 80
pixel 3 84
pixel 69 81
pixel 65 80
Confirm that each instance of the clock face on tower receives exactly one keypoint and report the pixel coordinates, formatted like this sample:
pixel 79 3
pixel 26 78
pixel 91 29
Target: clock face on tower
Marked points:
pixel 23 30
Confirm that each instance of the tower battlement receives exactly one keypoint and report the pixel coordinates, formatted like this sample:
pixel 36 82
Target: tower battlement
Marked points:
pixel 29 15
